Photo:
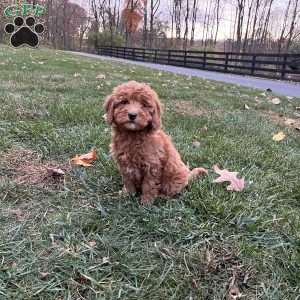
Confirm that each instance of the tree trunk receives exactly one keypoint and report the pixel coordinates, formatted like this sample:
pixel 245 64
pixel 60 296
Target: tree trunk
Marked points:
pixel 194 20
pixel 187 14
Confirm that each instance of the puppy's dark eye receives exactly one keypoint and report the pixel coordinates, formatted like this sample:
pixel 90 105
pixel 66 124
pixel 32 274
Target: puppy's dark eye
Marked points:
pixel 124 101
pixel 147 105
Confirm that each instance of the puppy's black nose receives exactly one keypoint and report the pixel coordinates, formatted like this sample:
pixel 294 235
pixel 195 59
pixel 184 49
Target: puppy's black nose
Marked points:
pixel 132 116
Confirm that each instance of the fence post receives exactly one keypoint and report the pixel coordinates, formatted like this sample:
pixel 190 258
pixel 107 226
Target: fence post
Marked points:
pixel 184 58
pixel 155 55
pixel 133 53
pixel 253 64
pixel 169 55
pixel 226 62
pixel 283 70
pixel 144 54
pixel 204 60
pixel 124 52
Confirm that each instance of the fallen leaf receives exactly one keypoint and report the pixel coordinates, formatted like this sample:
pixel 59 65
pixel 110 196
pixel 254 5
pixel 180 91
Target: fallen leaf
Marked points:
pixel 77 75
pixel 105 260
pixel 276 101
pixel 55 172
pixel 196 144
pixel 44 275
pixel 18 213
pixel 279 136
pixel 92 243
pixel 289 122
pixel 257 100
pixel 246 107
pixel 100 76
pixel 84 160
pixel 234 293
pixel 236 185
pixel 160 74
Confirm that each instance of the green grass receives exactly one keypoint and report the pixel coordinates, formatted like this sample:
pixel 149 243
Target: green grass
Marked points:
pixel 81 240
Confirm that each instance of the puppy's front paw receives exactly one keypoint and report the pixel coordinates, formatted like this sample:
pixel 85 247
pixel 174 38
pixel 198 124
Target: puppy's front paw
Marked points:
pixel 146 200
pixel 124 192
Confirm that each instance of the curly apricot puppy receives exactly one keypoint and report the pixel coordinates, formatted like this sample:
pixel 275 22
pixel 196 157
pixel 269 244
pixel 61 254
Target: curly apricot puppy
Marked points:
pixel 145 155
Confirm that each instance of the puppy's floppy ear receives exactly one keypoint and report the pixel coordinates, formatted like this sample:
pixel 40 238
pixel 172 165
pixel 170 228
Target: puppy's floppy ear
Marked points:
pixel 109 108
pixel 156 119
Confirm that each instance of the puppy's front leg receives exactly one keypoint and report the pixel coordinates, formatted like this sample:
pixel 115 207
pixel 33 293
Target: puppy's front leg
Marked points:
pixel 150 187
pixel 129 186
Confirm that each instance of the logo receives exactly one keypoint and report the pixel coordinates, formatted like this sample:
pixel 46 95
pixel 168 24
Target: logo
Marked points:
pixel 24 31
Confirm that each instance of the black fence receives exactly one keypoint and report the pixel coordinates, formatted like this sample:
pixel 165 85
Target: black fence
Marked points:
pixel 275 66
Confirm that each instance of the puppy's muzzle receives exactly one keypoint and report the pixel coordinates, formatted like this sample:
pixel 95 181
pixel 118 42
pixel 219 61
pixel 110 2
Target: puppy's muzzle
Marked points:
pixel 132 116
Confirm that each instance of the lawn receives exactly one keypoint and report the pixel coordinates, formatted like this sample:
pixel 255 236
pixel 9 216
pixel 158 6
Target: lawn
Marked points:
pixel 77 238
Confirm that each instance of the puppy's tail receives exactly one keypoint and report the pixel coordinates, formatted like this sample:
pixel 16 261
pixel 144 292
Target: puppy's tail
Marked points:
pixel 197 172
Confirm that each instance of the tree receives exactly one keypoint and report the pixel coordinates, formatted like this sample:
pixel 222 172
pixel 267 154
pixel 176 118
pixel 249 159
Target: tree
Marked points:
pixel 154 6
pixel 194 20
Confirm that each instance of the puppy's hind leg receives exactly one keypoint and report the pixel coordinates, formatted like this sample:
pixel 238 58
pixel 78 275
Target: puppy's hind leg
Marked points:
pixel 196 173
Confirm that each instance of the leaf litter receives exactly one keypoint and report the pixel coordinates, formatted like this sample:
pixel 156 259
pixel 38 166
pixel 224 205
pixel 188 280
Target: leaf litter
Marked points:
pixel 25 167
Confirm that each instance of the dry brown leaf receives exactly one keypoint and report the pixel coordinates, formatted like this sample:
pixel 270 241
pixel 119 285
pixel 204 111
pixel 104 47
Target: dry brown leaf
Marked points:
pixel 18 213
pixel 55 172
pixel 236 185
pixel 275 101
pixel 92 243
pixel 100 76
pixel 105 260
pixel 84 160
pixel 196 144
pixel 234 293
pixel 289 122
pixel 44 275
pixel 79 162
pixel 279 136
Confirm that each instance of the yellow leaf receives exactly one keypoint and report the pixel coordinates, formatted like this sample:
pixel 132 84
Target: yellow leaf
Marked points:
pixel 279 136
pixel 79 162
pixel 84 160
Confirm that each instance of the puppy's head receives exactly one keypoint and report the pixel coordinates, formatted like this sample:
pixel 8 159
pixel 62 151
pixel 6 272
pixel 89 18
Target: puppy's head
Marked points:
pixel 133 106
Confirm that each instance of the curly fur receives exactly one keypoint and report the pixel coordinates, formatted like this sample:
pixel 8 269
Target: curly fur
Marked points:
pixel 145 155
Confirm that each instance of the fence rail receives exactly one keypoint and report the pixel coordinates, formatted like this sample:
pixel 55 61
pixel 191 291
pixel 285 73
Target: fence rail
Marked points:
pixel 275 66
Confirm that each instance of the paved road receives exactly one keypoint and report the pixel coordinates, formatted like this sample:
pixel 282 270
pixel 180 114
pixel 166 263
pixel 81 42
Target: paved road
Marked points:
pixel 278 87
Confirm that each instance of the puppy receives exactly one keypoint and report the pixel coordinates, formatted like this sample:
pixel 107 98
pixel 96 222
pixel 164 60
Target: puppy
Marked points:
pixel 145 155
